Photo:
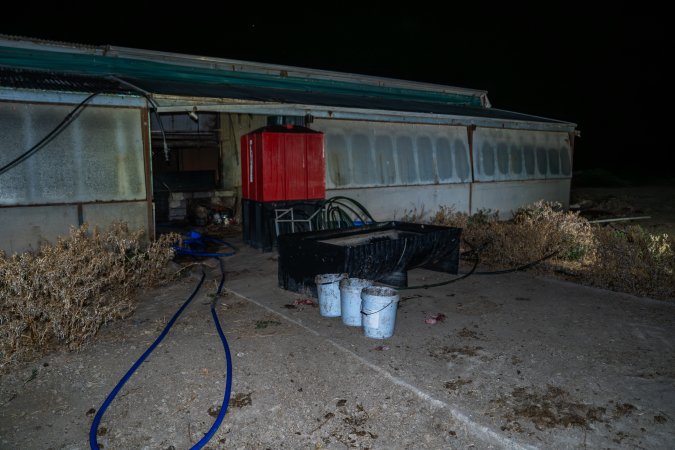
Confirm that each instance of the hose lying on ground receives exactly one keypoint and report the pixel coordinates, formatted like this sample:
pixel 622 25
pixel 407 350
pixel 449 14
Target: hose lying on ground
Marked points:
pixel 194 238
pixel 476 251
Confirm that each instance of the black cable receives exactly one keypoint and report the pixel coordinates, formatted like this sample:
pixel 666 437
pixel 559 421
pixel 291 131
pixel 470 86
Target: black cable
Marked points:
pixel 466 275
pixel 154 109
pixel 359 205
pixel 519 268
pixel 337 212
pixel 443 283
pixel 51 135
pixel 476 262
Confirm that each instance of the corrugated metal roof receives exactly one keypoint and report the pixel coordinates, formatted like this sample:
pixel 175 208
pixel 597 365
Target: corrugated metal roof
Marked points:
pixel 326 99
pixel 50 81
pixel 232 65
pixel 152 68
pixel 85 69
pixel 26 40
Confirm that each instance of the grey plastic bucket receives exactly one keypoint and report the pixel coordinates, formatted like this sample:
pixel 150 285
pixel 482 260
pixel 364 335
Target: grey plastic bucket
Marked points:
pixel 350 300
pixel 328 288
pixel 379 311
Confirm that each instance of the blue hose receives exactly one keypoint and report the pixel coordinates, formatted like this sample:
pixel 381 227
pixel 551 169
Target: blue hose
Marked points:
pixel 199 240
pixel 228 385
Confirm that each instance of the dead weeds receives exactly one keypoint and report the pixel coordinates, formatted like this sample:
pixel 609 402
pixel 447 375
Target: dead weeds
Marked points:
pixel 60 296
pixel 550 408
pixel 629 260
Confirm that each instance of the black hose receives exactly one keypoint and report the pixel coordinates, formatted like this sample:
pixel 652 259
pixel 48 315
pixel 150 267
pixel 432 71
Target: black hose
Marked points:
pixel 519 268
pixel 443 283
pixel 51 135
pixel 476 251
pixel 338 213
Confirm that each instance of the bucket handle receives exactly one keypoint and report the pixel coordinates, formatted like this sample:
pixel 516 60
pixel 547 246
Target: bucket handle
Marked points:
pixel 375 312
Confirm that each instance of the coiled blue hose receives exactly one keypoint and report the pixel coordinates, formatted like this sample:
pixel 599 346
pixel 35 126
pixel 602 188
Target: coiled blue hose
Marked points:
pixel 228 385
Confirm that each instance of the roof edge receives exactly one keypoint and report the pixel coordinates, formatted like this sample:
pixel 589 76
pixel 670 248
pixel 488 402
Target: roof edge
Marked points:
pixel 233 65
pixel 283 70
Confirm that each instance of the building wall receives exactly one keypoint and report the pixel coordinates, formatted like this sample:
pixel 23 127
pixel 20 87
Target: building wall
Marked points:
pixel 394 168
pixel 394 202
pixel 94 171
pixel 232 127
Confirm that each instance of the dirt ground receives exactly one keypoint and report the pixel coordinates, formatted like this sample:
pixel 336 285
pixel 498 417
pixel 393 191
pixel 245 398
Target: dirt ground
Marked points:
pixel 657 202
pixel 516 361
pixel 512 361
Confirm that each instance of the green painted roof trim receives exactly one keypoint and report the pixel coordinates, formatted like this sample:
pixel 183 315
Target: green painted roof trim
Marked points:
pixel 85 64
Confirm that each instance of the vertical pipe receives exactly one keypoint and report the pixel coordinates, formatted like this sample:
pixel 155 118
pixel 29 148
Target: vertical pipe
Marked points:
pixel 572 137
pixel 469 132
pixel 147 165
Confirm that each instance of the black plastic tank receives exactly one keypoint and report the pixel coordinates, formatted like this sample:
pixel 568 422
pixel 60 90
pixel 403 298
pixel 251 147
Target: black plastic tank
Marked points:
pixel 381 252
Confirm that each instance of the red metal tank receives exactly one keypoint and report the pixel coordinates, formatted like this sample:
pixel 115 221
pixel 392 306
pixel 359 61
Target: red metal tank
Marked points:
pixel 283 162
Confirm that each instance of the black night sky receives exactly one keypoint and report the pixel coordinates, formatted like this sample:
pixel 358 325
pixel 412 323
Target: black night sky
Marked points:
pixel 604 72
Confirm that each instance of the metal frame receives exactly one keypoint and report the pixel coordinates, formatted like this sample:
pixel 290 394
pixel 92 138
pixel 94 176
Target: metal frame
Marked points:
pixel 279 213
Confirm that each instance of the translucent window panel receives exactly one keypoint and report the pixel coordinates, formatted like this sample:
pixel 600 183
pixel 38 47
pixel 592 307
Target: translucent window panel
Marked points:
pixel 553 161
pixel 516 159
pixel 400 151
pixel 337 160
pixel 487 154
pixel 528 157
pixel 503 158
pixel 384 160
pixel 17 137
pixel 425 160
pixel 565 159
pixel 518 154
pixel 98 157
pixel 461 160
pixel 542 160
pixel 54 170
pixel 407 168
pixel 362 160
pixel 444 158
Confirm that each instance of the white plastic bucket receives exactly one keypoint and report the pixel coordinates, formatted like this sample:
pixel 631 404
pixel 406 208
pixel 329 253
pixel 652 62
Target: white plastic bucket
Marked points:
pixel 379 311
pixel 350 300
pixel 328 288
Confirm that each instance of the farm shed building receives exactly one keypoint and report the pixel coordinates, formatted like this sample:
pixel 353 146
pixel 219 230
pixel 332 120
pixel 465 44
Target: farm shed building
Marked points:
pixel 393 145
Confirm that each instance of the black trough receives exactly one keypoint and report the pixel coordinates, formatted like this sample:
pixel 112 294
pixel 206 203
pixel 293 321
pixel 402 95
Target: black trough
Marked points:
pixel 380 252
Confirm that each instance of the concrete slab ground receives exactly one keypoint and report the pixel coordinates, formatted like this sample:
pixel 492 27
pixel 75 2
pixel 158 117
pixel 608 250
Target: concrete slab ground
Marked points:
pixel 518 362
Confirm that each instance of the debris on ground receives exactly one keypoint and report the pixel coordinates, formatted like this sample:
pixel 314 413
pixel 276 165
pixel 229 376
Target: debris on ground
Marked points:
pixel 550 408
pixel 240 400
pixel 260 324
pixel 300 302
pixel 305 301
pixel 440 317
pixel 465 333
pixel 450 352
pixel 353 431
pixel 456 384
pixel 623 409
pixel 660 419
